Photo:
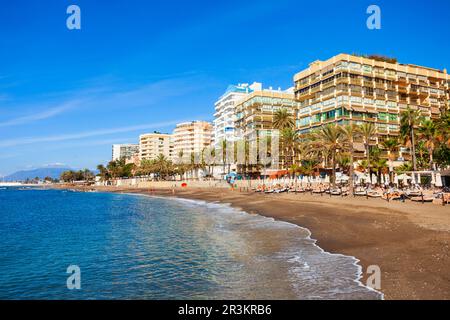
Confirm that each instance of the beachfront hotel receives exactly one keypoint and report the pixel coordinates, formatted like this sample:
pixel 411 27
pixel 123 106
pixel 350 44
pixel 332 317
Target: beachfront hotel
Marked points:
pixel 151 145
pixel 191 138
pixel 225 116
pixel 124 151
pixel 348 88
pixel 255 112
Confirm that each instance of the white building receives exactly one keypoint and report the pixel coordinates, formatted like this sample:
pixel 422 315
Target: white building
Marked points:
pixel 225 116
pixel 125 151
pixel 191 137
pixel 151 145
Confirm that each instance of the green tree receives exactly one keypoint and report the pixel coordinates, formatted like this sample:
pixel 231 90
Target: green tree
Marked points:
pixel 330 139
pixel 391 145
pixel 349 133
pixel 428 133
pixel 282 119
pixel 289 139
pixel 409 120
pixel 368 131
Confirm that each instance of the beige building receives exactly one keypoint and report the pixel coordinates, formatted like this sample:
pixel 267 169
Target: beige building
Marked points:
pixel 124 151
pixel 255 113
pixel 151 145
pixel 192 137
pixel 348 88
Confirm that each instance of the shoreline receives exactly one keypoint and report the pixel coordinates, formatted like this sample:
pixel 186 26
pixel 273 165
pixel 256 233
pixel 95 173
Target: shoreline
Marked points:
pixel 410 242
pixel 356 261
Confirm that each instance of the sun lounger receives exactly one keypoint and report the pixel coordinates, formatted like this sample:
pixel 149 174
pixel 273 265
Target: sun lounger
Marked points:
pixel 424 199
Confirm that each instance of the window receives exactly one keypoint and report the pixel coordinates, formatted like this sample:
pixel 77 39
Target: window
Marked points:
pixel 394 127
pixel 382 116
pixel 369 101
pixel 368 91
pixel 355 99
pixel 354 66
pixel 304 111
pixel 390 72
pixel 393 117
pixel 392 104
pixel 330 102
pixel 342 65
pixel 316 118
pixel 367 68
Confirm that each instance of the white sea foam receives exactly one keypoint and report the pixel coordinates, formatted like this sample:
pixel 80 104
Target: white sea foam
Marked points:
pixel 300 268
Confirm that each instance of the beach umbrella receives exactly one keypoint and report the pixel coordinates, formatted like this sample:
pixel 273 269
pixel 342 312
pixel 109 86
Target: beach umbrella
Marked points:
pixel 438 180
pixel 433 179
pixel 374 177
pixel 413 180
pixel 342 177
pixel 404 177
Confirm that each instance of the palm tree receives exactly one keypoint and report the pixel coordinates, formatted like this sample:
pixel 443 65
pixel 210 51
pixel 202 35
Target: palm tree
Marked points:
pixel 368 131
pixel 329 137
pixel 103 172
pixel 381 168
pixel 408 121
pixel 391 145
pixel 283 119
pixel 443 125
pixel 349 133
pixel 428 132
pixel 224 154
pixel 289 139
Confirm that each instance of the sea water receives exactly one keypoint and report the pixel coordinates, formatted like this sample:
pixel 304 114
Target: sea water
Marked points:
pixel 140 247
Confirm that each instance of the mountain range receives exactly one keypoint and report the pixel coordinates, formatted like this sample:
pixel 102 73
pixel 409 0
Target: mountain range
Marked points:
pixel 52 172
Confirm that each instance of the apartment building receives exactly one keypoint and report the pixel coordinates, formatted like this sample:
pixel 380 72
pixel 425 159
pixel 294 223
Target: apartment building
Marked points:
pixel 353 89
pixel 255 113
pixel 191 137
pixel 124 151
pixel 151 145
pixel 225 115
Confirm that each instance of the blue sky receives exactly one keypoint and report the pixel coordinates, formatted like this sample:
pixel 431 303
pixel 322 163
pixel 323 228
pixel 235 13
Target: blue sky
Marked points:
pixel 139 66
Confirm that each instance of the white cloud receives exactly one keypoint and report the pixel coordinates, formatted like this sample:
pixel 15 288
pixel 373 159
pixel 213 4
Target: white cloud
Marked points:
pixel 87 134
pixel 42 115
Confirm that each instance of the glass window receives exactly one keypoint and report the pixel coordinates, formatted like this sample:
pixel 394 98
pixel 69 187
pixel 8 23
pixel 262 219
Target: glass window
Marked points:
pixel 354 66
pixel 382 116
pixel 393 117
pixel 367 68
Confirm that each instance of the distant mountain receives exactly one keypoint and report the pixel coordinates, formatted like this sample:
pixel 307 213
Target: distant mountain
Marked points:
pixel 53 172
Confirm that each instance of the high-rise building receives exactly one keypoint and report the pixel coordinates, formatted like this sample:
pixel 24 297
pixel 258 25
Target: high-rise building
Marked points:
pixel 191 137
pixel 151 145
pixel 124 151
pixel 255 113
pixel 225 116
pixel 353 89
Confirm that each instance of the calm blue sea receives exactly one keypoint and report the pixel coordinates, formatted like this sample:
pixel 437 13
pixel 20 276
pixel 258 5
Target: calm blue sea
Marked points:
pixel 139 247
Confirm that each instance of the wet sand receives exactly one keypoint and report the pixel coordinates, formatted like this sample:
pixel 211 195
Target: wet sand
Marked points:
pixel 410 242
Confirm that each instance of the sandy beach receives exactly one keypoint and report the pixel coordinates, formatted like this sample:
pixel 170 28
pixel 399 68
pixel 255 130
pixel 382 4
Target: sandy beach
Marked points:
pixel 410 242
